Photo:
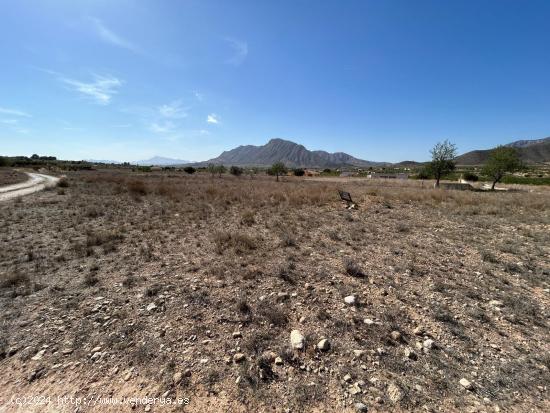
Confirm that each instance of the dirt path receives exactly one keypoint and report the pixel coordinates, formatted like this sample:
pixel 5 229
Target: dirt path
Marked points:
pixel 35 183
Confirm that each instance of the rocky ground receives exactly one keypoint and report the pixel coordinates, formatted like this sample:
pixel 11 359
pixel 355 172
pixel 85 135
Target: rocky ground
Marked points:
pixel 240 294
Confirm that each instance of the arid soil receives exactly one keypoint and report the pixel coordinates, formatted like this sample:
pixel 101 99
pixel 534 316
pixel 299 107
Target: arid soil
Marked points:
pixel 10 176
pixel 177 286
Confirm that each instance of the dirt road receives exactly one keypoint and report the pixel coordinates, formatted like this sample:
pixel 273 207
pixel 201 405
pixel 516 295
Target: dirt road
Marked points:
pixel 36 182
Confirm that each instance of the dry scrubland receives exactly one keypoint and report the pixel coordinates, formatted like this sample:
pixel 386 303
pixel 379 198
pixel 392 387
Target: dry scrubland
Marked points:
pixel 155 285
pixel 10 177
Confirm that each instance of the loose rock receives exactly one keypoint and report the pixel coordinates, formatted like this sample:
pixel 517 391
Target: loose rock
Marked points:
pixel 297 339
pixel 350 300
pixel 323 345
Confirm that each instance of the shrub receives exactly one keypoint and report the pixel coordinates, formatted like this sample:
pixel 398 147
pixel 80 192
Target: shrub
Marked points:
pixel 63 183
pixel 137 187
pixel 352 268
pixel 238 241
pixel 248 218
pixel 469 176
pixel 189 169
pixel 298 172
pixel 235 170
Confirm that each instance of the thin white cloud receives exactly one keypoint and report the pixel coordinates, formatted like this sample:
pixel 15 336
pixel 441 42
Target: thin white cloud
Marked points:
pixel 173 110
pixel 240 51
pixel 213 118
pixel 9 121
pixel 107 35
pixel 123 125
pixel 162 127
pixel 14 112
pixel 101 90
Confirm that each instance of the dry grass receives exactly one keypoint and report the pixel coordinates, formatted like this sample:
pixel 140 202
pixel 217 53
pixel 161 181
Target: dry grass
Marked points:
pixel 217 256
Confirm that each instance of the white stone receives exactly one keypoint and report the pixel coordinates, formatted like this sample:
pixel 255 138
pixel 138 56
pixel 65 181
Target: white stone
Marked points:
pixel 350 300
pixel 297 339
pixel 323 345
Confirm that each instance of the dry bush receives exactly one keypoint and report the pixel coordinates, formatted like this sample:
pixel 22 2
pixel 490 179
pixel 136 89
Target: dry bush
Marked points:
pixel 137 187
pixel 247 218
pixel 97 238
pixel 352 268
pixel 239 242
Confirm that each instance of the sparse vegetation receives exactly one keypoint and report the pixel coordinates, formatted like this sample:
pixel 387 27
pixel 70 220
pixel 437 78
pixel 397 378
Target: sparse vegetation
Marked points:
pixel 215 268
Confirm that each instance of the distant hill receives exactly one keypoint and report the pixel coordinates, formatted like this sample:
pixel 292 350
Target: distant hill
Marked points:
pixel 529 151
pixel 407 164
pixel 161 161
pixel 290 153
pixel 106 161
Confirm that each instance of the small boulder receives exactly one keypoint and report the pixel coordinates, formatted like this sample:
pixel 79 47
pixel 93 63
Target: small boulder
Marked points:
pixel 428 344
pixel 350 300
pixel 395 335
pixel 238 357
pixel 466 384
pixel 395 394
pixel 323 345
pixel 361 407
pixel 297 339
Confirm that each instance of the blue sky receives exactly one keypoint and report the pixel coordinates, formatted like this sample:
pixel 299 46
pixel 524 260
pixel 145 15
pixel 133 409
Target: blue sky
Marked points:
pixel 382 80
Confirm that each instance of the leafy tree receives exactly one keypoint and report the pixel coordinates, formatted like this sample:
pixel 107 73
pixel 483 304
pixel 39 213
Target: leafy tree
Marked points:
pixel 235 170
pixel 502 159
pixel 3 161
pixel 443 155
pixel 220 169
pixel 277 169
pixel 190 170
pixel 35 156
pixel 299 172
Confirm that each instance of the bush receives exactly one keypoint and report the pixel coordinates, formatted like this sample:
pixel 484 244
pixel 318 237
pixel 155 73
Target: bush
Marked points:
pixel 469 176
pixel 63 183
pixel 352 268
pixel 235 170
pixel 189 169
pixel 137 187
pixel 424 173
pixel 299 172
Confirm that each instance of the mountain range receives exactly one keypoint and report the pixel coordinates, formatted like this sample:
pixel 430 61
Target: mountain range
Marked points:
pixel 529 151
pixel 297 156
pixel 291 154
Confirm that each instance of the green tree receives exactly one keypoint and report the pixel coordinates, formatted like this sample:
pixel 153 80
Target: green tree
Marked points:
pixel 299 172
pixel 189 169
pixel 277 169
pixel 220 170
pixel 235 170
pixel 502 159
pixel 443 155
